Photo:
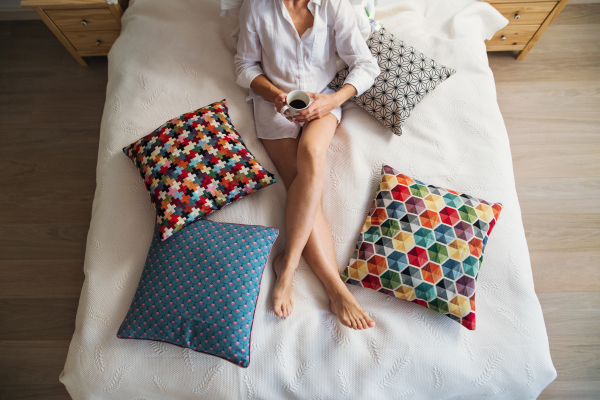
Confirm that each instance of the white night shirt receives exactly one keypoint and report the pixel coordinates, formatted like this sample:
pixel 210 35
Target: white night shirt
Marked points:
pixel 269 44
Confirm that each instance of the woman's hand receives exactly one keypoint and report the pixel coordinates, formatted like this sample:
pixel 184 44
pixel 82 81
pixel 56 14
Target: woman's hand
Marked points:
pixel 280 101
pixel 321 106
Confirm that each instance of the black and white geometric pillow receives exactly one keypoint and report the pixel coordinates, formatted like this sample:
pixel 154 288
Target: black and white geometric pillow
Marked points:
pixel 407 75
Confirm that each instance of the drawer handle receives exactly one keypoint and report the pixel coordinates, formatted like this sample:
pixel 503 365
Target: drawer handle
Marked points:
pixel 517 16
pixel 83 22
pixel 99 42
pixel 503 38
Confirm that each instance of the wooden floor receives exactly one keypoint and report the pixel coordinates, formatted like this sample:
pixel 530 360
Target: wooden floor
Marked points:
pixel 50 111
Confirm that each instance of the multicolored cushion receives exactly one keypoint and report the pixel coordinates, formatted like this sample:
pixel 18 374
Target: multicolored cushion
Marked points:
pixel 407 76
pixel 424 244
pixel 195 164
pixel 199 289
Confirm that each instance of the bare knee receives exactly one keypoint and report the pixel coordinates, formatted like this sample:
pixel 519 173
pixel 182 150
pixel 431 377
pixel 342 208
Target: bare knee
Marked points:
pixel 311 158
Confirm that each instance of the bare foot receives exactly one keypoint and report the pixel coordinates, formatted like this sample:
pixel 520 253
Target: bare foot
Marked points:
pixel 282 292
pixel 345 306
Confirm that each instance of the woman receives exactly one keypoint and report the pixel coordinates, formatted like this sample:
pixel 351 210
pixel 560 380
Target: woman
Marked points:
pixel 285 45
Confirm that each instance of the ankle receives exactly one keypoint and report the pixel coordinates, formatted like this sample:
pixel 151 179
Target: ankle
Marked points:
pixel 289 261
pixel 285 266
pixel 337 290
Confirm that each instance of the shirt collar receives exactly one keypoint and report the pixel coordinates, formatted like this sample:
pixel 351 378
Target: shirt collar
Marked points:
pixel 317 2
pixel 311 6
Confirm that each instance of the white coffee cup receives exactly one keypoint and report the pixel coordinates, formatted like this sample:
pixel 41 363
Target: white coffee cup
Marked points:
pixel 294 101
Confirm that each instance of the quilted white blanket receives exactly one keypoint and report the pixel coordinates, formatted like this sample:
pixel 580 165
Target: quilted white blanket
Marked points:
pixel 175 56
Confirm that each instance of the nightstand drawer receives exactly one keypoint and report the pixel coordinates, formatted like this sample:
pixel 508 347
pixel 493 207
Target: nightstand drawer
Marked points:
pixel 525 13
pixel 83 20
pixel 511 37
pixel 84 27
pixel 92 43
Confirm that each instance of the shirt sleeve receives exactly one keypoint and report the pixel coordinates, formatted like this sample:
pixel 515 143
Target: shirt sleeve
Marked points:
pixel 352 48
pixel 249 51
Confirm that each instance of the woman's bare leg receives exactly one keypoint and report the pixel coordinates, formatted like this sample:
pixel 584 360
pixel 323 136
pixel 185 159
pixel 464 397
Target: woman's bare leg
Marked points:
pixel 302 203
pixel 319 251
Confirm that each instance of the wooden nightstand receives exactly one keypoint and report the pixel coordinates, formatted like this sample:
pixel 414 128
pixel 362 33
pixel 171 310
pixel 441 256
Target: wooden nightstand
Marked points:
pixel 84 27
pixel 527 22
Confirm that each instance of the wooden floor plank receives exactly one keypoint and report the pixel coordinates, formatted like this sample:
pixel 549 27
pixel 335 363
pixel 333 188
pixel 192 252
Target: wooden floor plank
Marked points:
pixel 572 314
pixel 59 202
pixel 43 79
pixel 37 319
pixel 557 195
pixel 545 67
pixel 562 232
pixel 46 166
pixel 87 106
pixel 574 39
pixel 553 128
pixel 31 279
pixel 548 265
pixel 55 391
pixel 576 357
pixel 571 390
pixel 549 160
pixel 579 14
pixel 549 97
pixel 50 241
pixel 16 107
pixel 32 362
pixel 44 138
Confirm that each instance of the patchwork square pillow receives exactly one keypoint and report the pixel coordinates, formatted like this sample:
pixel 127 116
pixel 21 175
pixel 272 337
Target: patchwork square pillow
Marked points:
pixel 424 244
pixel 195 164
pixel 199 289
pixel 406 77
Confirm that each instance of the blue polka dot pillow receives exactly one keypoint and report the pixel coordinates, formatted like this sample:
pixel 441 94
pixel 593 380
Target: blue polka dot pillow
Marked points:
pixel 199 289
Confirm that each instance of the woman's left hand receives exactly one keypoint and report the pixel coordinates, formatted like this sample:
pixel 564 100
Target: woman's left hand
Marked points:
pixel 321 106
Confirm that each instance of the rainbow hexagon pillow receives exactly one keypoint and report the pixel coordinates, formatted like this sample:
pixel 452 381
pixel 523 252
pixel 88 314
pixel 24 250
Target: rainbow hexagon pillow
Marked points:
pixel 424 244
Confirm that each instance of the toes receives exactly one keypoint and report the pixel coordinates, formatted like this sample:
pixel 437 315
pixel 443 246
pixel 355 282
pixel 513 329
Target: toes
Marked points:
pixel 359 324
pixel 368 321
pixel 346 322
pixel 277 311
pixel 363 323
pixel 353 323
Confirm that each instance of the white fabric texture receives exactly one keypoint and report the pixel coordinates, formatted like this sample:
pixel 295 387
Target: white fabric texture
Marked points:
pixel 269 44
pixel 176 56
pixel 271 125
pixel 231 8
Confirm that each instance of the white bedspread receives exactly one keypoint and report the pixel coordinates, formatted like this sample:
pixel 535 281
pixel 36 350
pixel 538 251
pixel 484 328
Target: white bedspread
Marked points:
pixel 175 56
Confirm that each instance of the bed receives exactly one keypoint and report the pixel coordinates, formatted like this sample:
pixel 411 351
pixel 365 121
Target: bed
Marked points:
pixel 175 56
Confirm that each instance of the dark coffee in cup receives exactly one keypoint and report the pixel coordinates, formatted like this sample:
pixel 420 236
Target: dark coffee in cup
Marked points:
pixel 296 100
pixel 298 104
